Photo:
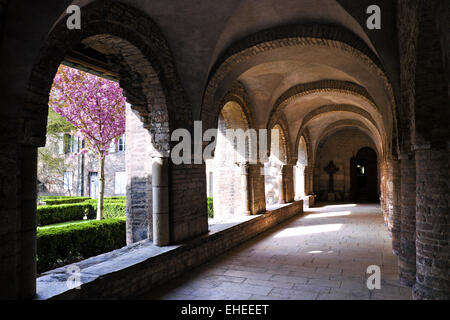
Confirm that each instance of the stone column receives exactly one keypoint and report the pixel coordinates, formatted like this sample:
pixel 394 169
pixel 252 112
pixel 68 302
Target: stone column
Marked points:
pixel 138 165
pixel 287 183
pixel 384 202
pixel 307 182
pixel 393 203
pixel 389 190
pixel 407 255
pixel 160 196
pixel 432 224
pixel 28 194
pixel 244 189
pixel 257 196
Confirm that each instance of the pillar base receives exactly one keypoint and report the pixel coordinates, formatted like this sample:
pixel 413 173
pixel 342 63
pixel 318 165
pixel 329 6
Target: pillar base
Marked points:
pixel 420 292
pixel 406 273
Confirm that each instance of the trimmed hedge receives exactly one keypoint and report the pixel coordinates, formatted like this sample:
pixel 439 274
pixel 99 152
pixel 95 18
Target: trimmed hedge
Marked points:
pixel 68 244
pixel 210 207
pixel 116 198
pixel 65 200
pixel 49 214
pixel 112 209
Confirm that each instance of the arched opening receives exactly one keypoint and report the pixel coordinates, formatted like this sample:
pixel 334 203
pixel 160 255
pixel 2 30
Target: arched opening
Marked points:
pixel 273 168
pixel 115 51
pixel 227 172
pixel 364 176
pixel 299 170
pixel 81 169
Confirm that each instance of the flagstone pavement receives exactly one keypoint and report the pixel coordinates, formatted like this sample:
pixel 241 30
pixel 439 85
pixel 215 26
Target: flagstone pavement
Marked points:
pixel 321 255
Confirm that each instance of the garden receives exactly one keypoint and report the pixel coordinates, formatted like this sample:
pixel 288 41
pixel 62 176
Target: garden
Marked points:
pixel 68 231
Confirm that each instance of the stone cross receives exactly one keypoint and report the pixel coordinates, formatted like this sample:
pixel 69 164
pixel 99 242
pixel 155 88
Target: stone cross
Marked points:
pixel 331 169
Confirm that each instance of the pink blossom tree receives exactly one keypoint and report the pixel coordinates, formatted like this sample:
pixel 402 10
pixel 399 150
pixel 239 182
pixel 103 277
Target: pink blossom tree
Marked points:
pixel 96 108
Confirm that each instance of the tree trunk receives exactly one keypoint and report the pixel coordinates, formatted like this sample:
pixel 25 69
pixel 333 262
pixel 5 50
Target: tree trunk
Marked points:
pixel 102 189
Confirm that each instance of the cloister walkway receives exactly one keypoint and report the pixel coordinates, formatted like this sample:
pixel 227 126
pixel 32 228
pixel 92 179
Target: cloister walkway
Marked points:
pixel 324 254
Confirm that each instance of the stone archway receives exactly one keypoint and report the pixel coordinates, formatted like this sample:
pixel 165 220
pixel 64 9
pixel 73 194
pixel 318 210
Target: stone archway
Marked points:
pixel 148 77
pixel 229 167
pixel 274 170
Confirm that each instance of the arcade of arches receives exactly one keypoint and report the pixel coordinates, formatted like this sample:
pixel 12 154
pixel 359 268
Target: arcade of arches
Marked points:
pixel 357 115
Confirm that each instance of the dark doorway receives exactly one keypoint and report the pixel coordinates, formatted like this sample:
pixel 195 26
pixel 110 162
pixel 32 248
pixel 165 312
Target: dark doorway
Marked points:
pixel 363 176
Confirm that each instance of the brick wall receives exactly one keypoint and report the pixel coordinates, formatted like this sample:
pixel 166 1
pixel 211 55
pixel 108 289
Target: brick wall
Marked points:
pixel 139 151
pixel 144 267
pixel 340 148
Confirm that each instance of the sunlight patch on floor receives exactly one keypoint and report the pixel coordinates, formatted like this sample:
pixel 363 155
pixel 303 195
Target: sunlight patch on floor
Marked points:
pixel 299 231
pixel 328 214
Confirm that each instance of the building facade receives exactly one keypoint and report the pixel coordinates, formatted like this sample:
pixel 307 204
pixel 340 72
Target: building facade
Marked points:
pixel 77 174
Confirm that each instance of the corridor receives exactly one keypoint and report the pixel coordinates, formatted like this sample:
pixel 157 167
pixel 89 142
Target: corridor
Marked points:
pixel 323 254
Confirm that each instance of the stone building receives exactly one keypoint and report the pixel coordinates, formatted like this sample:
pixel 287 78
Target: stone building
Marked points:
pixel 78 175
pixel 367 101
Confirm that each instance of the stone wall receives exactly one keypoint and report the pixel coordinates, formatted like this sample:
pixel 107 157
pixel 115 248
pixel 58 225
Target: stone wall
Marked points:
pixel 138 152
pixel 256 185
pixel 114 162
pixel 340 148
pixel 134 270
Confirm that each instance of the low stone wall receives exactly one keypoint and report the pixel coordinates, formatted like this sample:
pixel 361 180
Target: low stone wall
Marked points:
pixel 136 269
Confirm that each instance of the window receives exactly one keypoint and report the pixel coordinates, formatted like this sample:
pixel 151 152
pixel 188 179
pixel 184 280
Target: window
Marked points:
pixel 70 143
pixel 120 183
pixel 68 179
pixel 121 144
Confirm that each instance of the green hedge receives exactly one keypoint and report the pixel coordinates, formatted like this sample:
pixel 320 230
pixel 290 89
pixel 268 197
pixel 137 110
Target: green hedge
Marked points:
pixel 112 209
pixel 210 207
pixel 66 200
pixel 116 198
pixel 69 244
pixel 49 214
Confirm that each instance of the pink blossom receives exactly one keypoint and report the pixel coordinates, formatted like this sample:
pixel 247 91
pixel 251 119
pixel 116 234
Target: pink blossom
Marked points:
pixel 94 106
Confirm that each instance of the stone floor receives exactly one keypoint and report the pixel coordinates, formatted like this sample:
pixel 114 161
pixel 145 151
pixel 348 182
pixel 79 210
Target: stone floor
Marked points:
pixel 323 254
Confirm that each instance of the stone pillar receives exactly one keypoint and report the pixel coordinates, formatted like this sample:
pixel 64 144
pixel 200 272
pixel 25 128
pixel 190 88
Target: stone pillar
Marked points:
pixel 393 203
pixel 384 202
pixel 432 224
pixel 407 255
pixel 28 194
pixel 138 167
pixel 160 196
pixel 306 173
pixel 287 193
pixel 244 189
pixel 257 195
pixel 389 190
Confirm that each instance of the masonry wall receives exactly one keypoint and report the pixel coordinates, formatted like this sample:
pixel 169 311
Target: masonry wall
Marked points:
pixel 188 206
pixel 114 162
pixel 138 154
pixel 227 192
pixel 340 148
pixel 150 271
pixel 257 196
